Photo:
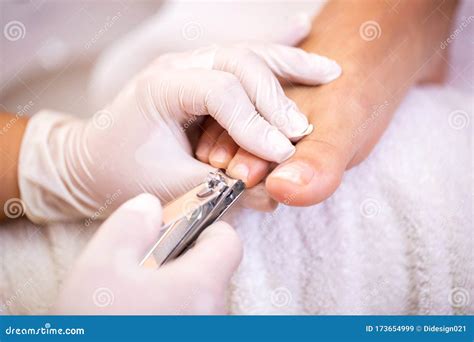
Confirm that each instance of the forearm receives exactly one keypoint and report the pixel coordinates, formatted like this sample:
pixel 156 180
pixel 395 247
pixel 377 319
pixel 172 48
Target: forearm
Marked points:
pixel 11 133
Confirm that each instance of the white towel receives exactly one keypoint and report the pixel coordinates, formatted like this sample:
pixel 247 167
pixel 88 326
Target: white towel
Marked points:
pixel 395 238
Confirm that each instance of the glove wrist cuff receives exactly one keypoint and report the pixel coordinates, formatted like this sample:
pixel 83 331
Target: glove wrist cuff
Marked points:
pixel 48 190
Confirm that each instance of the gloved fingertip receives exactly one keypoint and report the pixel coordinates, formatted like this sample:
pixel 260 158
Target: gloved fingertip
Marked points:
pixel 333 73
pixel 325 69
pixel 299 121
pixel 279 146
pixel 306 132
pixel 296 125
pixel 146 204
pixel 287 155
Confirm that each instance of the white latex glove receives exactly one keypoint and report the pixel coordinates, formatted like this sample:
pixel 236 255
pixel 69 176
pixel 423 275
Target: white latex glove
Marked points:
pixel 180 26
pixel 107 278
pixel 69 168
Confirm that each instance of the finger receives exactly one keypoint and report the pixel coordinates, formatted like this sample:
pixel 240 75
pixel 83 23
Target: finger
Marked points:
pixel 297 65
pixel 211 132
pixel 248 168
pixel 216 254
pixel 263 89
pixel 221 95
pixel 128 233
pixel 161 177
pixel 223 151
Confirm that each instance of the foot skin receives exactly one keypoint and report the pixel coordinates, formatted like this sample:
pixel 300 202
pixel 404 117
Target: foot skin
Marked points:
pixel 350 114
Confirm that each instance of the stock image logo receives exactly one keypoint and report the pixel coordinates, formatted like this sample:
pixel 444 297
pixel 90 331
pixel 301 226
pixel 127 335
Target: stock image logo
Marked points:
pixel 14 30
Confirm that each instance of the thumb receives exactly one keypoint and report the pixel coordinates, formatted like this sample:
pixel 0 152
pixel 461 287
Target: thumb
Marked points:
pixel 127 234
pixel 216 254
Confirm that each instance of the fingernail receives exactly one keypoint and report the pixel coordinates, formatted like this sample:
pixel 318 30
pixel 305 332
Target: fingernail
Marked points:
pixel 280 146
pixel 239 171
pixel 296 172
pixel 219 155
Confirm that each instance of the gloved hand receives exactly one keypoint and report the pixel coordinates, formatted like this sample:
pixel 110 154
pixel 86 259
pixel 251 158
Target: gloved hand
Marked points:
pixel 180 26
pixel 139 143
pixel 107 278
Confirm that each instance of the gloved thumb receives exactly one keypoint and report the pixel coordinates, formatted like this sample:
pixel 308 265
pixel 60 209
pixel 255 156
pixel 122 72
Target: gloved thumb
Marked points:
pixel 127 235
pixel 216 254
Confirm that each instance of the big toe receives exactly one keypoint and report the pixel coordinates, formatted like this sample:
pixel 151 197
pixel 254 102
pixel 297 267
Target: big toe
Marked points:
pixel 310 176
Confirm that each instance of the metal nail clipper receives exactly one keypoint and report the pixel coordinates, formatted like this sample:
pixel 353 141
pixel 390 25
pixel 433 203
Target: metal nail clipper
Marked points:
pixel 187 216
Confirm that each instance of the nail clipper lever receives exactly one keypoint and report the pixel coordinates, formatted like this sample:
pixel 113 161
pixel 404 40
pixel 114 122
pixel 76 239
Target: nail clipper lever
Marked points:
pixel 186 217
